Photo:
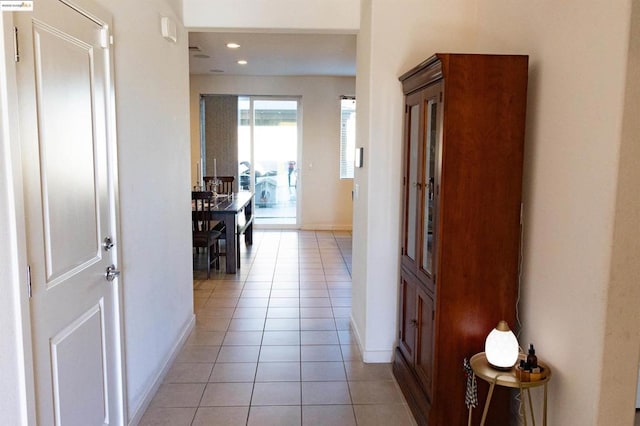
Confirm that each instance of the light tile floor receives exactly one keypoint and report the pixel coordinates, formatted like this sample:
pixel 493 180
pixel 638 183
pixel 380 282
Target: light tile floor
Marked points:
pixel 272 345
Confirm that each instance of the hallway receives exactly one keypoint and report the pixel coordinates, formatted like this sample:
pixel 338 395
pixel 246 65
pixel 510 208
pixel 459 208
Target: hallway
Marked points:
pixel 273 346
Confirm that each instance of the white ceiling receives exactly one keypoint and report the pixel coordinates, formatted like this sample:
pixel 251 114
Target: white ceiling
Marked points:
pixel 273 54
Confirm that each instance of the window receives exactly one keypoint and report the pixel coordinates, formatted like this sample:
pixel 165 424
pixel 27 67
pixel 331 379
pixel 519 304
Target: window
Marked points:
pixel 347 136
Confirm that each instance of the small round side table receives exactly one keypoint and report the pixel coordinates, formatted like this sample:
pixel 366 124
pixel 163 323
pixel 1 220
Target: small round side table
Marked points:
pixel 508 378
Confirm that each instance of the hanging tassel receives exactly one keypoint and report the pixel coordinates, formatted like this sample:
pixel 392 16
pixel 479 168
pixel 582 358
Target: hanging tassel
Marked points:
pixel 471 394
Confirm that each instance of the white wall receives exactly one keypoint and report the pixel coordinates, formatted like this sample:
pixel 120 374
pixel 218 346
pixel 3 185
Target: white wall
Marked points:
pixel 580 184
pixel 578 55
pixel 359 258
pixel 325 198
pixel 391 41
pixel 177 8
pixel 279 15
pixel 153 150
pixel 153 143
pixel 623 316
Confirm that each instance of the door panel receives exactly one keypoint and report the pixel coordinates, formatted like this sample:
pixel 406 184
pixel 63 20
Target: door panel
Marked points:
pixel 429 182
pixel 78 372
pixel 430 157
pixel 64 89
pixel 425 340
pixel 66 152
pixel 422 168
pixel 412 179
pixel 407 318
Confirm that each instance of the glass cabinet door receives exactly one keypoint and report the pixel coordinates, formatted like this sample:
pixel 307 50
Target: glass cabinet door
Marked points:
pixel 412 183
pixel 429 199
pixel 422 143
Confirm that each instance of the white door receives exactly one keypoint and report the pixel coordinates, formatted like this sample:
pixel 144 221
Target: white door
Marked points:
pixel 64 84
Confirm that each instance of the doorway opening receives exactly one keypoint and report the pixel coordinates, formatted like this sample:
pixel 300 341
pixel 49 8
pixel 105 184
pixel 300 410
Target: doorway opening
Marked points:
pixel 268 153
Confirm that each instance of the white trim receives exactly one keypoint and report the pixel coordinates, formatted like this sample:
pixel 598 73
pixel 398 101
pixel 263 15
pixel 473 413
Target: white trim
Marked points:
pixel 150 392
pixel 336 228
pixel 299 147
pixel 114 201
pixel 354 327
pixel 308 227
pixel 377 357
pixel 273 226
pixel 15 263
pixel 299 161
pixel 370 357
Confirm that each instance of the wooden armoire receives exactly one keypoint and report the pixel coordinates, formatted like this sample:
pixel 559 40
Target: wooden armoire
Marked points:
pixel 463 152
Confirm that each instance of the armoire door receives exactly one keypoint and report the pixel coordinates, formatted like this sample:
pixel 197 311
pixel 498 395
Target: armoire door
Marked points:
pixel 408 319
pixel 412 182
pixel 425 337
pixel 430 159
pixel 423 115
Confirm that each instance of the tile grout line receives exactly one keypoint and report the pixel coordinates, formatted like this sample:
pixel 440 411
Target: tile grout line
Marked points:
pixel 327 259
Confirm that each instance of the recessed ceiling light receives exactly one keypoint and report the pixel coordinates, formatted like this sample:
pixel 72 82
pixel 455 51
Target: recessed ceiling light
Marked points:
pixel 201 55
pixel 242 62
pixel 233 45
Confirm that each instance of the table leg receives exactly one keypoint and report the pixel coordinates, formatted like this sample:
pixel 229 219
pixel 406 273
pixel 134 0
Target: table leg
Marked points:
pixel 248 215
pixel 486 404
pixel 544 407
pixel 523 405
pixel 230 235
pixel 533 418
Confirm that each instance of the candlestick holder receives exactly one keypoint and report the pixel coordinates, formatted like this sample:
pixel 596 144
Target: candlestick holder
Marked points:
pixel 213 186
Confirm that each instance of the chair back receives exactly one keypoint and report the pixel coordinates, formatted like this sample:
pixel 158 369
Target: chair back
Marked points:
pixel 202 203
pixel 225 183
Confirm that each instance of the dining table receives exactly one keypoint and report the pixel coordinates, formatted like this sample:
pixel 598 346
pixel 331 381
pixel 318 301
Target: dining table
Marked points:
pixel 236 210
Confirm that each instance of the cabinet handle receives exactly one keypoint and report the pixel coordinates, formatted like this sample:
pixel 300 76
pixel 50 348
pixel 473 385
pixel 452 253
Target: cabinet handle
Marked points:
pixel 414 323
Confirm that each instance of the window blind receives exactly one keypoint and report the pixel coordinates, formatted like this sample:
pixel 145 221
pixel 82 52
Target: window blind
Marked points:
pixel 347 136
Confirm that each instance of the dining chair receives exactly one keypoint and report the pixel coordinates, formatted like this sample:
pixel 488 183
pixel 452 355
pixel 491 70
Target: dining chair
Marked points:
pixel 225 183
pixel 204 233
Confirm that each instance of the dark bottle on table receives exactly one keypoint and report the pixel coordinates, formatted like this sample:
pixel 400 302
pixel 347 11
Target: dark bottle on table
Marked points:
pixel 532 359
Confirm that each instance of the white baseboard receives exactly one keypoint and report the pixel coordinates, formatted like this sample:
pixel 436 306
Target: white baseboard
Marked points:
pixel 377 357
pixel 136 417
pixel 356 332
pixel 336 228
pixel 370 357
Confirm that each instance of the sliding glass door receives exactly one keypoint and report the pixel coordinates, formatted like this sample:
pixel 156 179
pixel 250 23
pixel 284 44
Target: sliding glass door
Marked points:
pixel 268 139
